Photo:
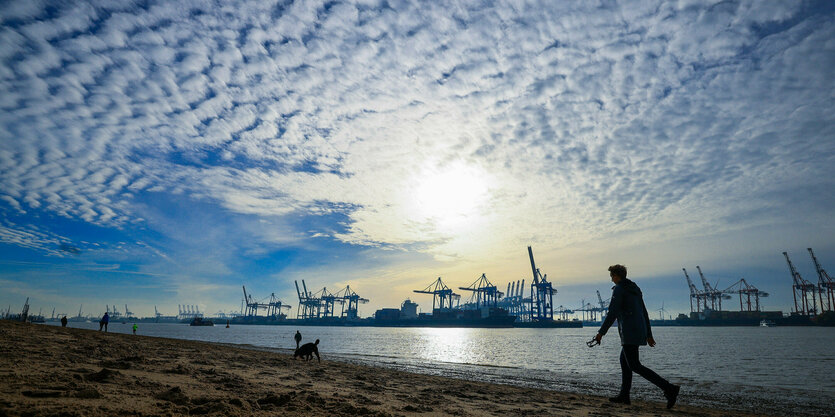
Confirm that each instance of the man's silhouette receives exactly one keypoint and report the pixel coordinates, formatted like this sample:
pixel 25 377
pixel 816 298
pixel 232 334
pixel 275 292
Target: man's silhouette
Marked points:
pixel 298 338
pixel 307 350
pixel 627 306
pixel 105 319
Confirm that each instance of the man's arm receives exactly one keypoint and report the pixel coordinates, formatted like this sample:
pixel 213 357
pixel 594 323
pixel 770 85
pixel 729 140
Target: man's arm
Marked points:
pixel 650 340
pixel 614 309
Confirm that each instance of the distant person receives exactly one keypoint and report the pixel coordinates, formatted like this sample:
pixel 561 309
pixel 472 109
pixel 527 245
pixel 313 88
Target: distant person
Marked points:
pixel 105 319
pixel 64 321
pixel 627 306
pixel 135 326
pixel 298 338
pixel 307 350
pixel 227 323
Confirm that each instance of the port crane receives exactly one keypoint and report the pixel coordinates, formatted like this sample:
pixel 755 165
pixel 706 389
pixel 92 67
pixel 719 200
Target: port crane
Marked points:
pixel 327 302
pixel 352 299
pixel 310 306
pixel 716 296
pixel 442 296
pixel 514 301
pixel 563 312
pixel 695 294
pixel 485 294
pixel 272 308
pixel 826 285
pixel 604 307
pixel 745 292
pixel 802 289
pixel 542 294
pixel 588 310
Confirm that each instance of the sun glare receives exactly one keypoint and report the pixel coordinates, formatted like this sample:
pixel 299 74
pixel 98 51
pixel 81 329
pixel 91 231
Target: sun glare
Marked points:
pixel 452 196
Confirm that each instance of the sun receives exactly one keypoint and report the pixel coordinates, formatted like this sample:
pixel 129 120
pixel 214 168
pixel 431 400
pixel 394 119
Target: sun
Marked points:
pixel 451 196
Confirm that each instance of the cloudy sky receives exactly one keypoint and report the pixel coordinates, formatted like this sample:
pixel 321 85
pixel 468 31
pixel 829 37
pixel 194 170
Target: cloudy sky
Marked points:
pixel 165 153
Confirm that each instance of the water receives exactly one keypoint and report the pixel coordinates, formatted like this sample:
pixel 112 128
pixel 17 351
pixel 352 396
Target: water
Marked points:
pixel 780 370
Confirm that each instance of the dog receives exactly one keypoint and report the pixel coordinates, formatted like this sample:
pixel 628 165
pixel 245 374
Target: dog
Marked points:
pixel 307 350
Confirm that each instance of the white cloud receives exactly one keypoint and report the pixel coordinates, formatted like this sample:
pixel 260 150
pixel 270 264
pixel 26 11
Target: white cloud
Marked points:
pixel 643 118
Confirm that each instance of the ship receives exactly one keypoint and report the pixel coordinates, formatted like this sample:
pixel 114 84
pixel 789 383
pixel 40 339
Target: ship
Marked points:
pixel 407 316
pixel 550 324
pixel 486 317
pixel 198 321
pixel 710 317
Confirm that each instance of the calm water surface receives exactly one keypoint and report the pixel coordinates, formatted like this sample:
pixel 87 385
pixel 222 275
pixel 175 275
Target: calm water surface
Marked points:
pixel 780 370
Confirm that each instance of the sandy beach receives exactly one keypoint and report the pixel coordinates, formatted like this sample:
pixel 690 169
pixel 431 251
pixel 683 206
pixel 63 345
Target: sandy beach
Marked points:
pixel 53 371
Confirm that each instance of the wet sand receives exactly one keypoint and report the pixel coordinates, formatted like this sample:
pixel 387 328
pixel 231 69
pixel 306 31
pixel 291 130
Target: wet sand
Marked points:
pixel 53 371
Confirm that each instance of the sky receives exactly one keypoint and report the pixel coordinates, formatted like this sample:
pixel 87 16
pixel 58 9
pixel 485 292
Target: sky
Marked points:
pixel 166 153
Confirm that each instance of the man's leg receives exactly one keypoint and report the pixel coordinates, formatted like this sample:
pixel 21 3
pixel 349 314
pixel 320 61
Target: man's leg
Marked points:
pixel 626 375
pixel 630 352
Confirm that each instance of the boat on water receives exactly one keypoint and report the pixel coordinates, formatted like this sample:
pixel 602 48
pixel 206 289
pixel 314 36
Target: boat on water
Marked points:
pixel 767 323
pixel 198 321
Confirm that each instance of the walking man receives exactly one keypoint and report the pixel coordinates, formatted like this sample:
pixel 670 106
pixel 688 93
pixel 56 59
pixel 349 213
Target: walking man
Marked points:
pixel 298 338
pixel 627 306
pixel 134 328
pixel 64 321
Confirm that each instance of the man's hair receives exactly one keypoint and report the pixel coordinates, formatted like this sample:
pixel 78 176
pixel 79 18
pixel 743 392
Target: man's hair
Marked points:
pixel 618 270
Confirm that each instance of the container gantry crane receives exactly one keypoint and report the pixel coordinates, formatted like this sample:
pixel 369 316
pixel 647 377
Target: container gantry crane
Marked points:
pixel 542 294
pixel 712 293
pixel 745 292
pixel 513 300
pixel 604 307
pixel 352 299
pixel 802 289
pixel 485 294
pixel 443 298
pixel 695 294
pixel 826 285
pixel 309 305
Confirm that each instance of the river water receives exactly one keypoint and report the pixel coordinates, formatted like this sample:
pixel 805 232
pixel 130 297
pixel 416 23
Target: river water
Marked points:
pixel 774 370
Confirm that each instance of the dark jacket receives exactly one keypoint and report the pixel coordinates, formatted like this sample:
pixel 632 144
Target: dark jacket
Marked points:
pixel 627 306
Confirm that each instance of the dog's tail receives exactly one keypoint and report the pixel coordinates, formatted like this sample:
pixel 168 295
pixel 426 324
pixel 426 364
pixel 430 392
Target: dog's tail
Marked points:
pixel 317 342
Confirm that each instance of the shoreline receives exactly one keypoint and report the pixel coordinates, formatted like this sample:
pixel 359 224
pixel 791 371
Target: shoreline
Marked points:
pixel 49 370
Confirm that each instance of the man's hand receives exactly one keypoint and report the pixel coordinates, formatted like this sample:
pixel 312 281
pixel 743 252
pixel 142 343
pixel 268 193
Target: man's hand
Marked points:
pixel 651 342
pixel 598 337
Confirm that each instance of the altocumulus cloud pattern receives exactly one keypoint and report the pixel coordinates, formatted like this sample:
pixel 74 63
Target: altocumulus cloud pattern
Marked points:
pixel 558 120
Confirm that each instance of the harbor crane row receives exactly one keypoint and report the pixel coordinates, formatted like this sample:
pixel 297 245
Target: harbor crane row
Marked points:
pixel 542 294
pixel 826 285
pixel 485 294
pixel 563 312
pixel 802 289
pixel 514 301
pixel 272 307
pixel 443 298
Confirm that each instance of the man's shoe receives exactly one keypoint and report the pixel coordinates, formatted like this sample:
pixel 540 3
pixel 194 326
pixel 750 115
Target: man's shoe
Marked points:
pixel 672 395
pixel 620 399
